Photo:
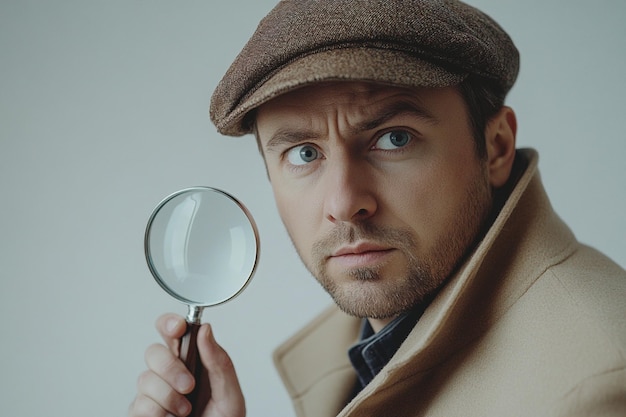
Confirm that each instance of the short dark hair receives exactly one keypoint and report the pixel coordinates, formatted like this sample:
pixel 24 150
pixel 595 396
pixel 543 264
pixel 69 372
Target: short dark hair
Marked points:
pixel 483 99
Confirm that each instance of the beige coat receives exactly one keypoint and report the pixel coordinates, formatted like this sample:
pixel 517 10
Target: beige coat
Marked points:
pixel 532 324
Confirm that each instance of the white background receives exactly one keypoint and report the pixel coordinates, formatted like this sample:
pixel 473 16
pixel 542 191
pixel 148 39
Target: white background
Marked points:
pixel 103 112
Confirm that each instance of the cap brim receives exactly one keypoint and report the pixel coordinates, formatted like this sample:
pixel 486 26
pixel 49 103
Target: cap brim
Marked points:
pixel 382 66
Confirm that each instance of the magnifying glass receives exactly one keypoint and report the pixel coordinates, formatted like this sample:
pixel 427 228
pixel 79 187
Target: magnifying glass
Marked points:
pixel 202 247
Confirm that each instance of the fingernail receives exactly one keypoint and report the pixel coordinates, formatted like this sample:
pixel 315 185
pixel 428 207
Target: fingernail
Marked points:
pixel 184 408
pixel 171 325
pixel 184 382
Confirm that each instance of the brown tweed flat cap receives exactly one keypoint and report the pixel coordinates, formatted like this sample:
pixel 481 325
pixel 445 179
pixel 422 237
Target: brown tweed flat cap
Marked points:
pixel 412 43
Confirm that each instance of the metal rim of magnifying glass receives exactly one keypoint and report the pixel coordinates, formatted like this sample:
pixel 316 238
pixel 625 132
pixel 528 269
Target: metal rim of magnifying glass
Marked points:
pixel 155 273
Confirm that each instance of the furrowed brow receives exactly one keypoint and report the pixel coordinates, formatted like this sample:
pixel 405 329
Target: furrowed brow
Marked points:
pixel 287 137
pixel 398 108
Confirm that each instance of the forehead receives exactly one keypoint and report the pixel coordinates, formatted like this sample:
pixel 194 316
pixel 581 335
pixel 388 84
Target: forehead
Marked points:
pixel 357 96
pixel 356 104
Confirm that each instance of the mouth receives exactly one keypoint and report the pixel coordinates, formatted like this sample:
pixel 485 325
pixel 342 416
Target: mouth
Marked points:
pixel 360 255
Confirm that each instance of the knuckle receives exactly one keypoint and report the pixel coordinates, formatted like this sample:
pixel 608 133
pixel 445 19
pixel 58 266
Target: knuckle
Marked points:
pixel 160 359
pixel 143 406
pixel 152 351
pixel 223 360
pixel 168 362
pixel 220 361
pixel 144 379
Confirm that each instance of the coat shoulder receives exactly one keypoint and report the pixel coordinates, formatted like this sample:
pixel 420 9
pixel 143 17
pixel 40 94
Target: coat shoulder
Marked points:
pixel 596 287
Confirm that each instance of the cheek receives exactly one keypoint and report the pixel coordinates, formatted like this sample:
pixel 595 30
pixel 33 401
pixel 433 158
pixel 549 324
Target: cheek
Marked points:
pixel 421 205
pixel 430 200
pixel 298 215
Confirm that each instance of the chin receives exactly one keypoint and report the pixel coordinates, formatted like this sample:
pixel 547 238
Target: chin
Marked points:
pixel 372 300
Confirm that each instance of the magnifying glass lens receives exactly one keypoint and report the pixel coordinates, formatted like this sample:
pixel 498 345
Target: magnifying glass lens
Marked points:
pixel 201 246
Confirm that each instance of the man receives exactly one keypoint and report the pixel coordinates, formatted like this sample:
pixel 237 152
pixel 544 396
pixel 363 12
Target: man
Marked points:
pixel 392 159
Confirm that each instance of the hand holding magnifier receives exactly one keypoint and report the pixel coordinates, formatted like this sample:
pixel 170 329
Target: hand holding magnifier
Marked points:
pixel 202 247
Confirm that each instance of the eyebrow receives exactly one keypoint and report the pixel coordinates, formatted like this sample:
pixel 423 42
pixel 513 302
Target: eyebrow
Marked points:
pixel 395 109
pixel 288 136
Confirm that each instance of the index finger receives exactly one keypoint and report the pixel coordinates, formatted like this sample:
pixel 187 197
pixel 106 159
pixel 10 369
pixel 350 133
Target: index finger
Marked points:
pixel 171 327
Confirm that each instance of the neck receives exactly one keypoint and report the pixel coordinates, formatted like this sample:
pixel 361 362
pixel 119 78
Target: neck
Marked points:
pixel 378 324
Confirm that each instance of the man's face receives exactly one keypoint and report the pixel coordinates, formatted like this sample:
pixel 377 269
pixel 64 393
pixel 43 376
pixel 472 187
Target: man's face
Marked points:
pixel 379 187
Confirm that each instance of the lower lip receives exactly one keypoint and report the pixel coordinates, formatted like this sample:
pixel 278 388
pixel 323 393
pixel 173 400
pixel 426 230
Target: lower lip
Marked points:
pixel 360 260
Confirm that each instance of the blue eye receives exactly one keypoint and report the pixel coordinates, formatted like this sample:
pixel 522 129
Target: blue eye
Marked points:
pixel 301 155
pixel 393 140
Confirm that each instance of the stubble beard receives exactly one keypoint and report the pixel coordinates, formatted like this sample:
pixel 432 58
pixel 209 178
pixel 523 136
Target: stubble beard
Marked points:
pixel 368 293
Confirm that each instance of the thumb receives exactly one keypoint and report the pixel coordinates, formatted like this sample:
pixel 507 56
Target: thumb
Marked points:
pixel 226 395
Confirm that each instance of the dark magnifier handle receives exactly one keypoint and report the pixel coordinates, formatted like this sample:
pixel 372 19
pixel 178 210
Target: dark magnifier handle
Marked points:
pixel 189 355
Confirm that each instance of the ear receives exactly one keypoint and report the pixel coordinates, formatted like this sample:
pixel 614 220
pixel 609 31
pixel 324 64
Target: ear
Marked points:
pixel 500 140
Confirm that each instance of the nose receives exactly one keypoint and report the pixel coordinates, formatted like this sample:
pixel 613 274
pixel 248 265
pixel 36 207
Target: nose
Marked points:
pixel 349 192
